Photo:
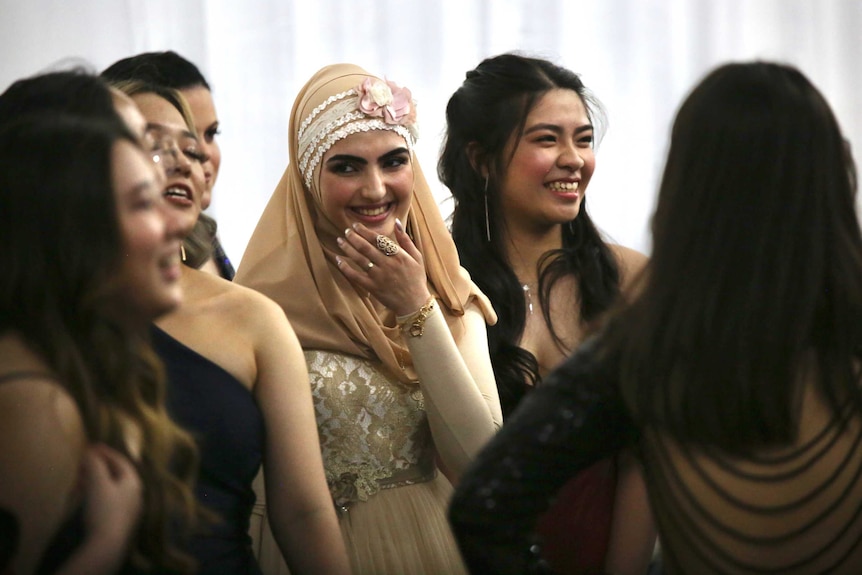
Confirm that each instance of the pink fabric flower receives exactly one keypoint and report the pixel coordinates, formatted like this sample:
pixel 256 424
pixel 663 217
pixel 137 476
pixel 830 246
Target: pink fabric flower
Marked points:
pixel 386 100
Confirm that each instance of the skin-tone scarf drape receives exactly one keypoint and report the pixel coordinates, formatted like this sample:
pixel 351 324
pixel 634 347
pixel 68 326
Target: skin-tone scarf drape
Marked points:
pixel 291 255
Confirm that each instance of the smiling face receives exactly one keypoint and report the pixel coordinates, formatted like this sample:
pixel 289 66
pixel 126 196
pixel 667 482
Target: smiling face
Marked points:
pixel 553 161
pixel 206 121
pixel 178 150
pixel 147 283
pixel 368 178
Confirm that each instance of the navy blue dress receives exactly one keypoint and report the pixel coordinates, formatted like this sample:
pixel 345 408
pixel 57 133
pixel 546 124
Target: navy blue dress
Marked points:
pixel 222 415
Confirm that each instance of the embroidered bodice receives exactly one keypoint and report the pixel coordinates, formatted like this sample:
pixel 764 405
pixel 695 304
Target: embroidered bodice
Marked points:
pixel 374 431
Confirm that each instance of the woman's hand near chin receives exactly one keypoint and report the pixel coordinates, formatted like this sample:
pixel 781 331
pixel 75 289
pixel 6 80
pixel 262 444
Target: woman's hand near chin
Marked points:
pixel 398 281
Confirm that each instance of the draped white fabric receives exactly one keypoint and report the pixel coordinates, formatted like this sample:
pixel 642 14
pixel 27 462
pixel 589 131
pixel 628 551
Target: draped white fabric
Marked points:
pixel 640 57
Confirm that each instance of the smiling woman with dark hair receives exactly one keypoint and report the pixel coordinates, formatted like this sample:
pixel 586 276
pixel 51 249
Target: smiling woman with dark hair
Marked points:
pixel 734 373
pixel 518 157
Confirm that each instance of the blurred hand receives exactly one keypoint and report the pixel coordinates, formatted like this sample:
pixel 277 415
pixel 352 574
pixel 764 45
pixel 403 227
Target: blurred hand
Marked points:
pixel 113 495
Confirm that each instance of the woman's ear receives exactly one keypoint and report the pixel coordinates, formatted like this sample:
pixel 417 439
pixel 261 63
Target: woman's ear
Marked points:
pixel 476 156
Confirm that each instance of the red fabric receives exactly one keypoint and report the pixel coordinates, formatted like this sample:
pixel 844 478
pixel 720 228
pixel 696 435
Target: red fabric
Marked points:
pixel 576 530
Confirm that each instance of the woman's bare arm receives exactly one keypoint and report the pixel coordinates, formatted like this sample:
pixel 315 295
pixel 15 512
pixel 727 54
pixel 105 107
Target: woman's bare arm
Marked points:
pixel 299 504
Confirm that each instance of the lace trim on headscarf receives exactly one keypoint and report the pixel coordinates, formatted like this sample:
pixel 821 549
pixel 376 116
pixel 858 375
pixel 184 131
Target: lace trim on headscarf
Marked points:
pixel 313 155
pixel 320 108
pixel 342 118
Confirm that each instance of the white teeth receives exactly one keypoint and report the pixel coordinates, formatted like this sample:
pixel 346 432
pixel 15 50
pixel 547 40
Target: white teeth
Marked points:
pixel 371 211
pixel 563 186
pixel 179 192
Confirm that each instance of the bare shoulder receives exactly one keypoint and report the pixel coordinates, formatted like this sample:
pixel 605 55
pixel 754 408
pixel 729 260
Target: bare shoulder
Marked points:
pixel 628 258
pixel 32 398
pixel 243 306
pixel 37 415
pixel 260 310
pixel 252 313
pixel 229 324
pixel 38 404
pixel 280 365
pixel 42 442
pixel 630 261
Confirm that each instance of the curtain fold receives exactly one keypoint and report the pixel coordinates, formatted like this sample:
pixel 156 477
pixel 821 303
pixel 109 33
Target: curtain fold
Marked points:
pixel 639 57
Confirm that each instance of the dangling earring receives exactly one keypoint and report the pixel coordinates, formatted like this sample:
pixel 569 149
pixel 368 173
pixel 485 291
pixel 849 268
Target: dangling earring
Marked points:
pixel 182 252
pixel 487 220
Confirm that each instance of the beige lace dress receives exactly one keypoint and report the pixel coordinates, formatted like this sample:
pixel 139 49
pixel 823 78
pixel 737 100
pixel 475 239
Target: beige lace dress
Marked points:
pixel 380 465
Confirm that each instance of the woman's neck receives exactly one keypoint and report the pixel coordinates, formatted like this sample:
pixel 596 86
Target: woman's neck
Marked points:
pixel 524 249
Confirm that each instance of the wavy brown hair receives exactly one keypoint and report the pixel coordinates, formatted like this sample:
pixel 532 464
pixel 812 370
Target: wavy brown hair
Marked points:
pixel 60 246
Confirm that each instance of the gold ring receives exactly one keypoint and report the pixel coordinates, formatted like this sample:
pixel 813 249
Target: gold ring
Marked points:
pixel 369 265
pixel 386 245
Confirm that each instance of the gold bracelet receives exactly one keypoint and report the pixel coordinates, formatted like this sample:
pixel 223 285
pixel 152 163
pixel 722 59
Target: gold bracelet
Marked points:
pixel 416 320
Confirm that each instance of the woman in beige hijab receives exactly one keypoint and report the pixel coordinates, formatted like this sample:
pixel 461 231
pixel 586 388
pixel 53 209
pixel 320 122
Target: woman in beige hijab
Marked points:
pixel 354 249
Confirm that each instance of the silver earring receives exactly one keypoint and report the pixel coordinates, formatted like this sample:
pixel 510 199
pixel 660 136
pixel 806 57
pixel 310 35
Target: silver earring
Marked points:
pixel 487 220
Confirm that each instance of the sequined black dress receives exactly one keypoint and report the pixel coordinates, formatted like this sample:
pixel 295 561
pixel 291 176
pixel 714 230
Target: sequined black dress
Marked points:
pixel 558 430
pixel 794 508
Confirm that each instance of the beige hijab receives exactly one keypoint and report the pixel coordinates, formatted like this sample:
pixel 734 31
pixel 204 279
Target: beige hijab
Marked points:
pixel 290 256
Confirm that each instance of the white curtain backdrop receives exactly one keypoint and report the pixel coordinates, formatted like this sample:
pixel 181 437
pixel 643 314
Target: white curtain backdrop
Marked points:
pixel 639 57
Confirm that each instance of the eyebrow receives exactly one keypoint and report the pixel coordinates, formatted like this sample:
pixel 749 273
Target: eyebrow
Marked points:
pixel 352 158
pixel 557 129
pixel 163 128
pixel 140 187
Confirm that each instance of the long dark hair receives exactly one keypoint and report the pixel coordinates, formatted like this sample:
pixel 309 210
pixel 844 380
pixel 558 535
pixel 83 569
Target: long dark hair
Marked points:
pixel 488 111
pixel 166 68
pixel 60 244
pixel 76 92
pixel 755 280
